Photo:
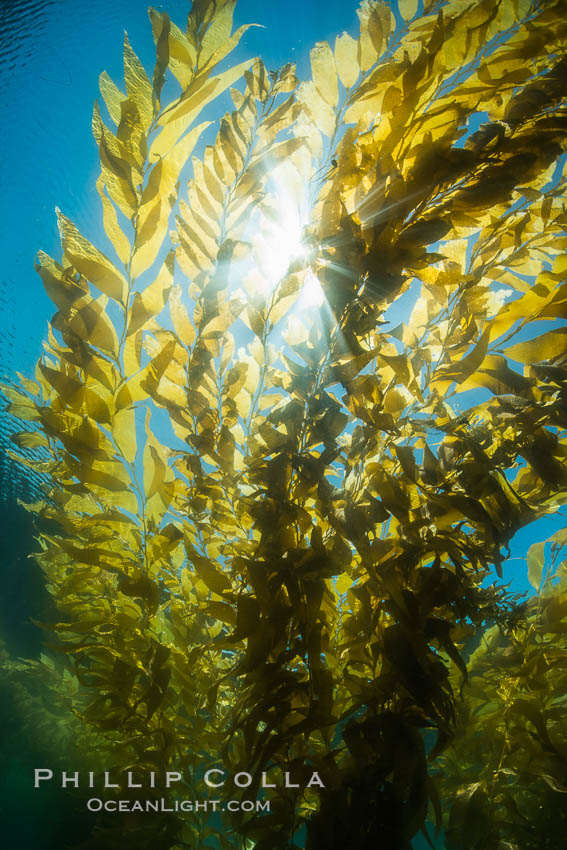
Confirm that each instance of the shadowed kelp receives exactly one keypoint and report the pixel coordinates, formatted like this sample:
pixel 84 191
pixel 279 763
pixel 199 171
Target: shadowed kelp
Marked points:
pixel 504 776
pixel 274 507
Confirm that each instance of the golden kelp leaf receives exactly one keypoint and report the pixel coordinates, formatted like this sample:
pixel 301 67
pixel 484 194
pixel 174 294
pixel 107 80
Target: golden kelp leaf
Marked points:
pixel 124 153
pixel 221 611
pixel 29 439
pixel 70 389
pixel 193 260
pixel 157 507
pixel 118 238
pixel 60 284
pixel 108 475
pixel 171 392
pixel 256 321
pixel 286 80
pixel 216 327
pixel 154 470
pixel 42 467
pixel 96 406
pixel 177 119
pixel 343 583
pixel 124 432
pixel 346 49
pixel 530 304
pixel 216 190
pixel 252 381
pixel 124 148
pixel 201 199
pixel 138 85
pixel 198 237
pixel 243 403
pixel 161 29
pixel 535 559
pixel 217 41
pixel 262 163
pixel 117 177
pixel 257 80
pixel 496 375
pixel 321 113
pixel 324 73
pixel 139 386
pixel 367 106
pixel 559 268
pixel 155 209
pixel 279 309
pixel 112 97
pixel 182 53
pixel 93 555
pixel 200 92
pixel 132 354
pixel 465 367
pixel 549 346
pixel 153 299
pixel 281 118
pixel 28 385
pixel 372 34
pixel 408 9
pixel 407 461
pixel 92 324
pixel 80 435
pixel 215 580
pixel 187 581
pixel 235 378
pixel 89 261
pixel 217 33
pixel 20 405
pixel 240 133
pixel 180 318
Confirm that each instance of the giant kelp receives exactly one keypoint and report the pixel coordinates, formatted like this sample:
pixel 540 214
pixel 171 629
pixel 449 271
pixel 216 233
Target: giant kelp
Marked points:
pixel 272 521
pixel 504 777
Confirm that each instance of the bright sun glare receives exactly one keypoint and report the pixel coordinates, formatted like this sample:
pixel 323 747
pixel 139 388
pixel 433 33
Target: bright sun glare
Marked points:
pixel 279 236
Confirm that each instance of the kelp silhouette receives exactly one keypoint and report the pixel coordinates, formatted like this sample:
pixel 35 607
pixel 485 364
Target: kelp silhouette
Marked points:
pixel 271 529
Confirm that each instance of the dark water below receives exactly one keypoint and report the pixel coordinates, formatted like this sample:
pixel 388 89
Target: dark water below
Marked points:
pixel 29 821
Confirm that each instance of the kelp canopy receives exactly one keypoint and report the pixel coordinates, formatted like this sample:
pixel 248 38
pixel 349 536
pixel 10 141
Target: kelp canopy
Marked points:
pixel 293 412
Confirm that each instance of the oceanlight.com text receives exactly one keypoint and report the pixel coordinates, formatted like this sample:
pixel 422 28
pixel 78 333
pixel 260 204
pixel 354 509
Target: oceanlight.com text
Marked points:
pixel 95 804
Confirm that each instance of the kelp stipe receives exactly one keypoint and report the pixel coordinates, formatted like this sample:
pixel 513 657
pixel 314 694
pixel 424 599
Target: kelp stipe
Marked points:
pixel 272 528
